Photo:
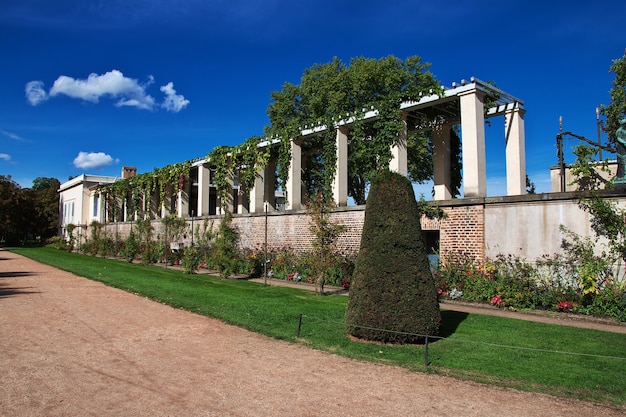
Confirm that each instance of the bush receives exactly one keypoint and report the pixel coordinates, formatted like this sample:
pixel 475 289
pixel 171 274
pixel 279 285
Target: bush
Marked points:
pixel 392 296
pixel 131 247
pixel 226 254
pixel 190 260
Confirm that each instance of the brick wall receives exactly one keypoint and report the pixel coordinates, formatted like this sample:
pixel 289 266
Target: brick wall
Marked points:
pixel 463 231
pixel 292 230
pixel 525 226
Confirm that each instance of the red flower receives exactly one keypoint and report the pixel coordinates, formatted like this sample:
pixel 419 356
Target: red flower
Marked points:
pixel 565 305
pixel 497 301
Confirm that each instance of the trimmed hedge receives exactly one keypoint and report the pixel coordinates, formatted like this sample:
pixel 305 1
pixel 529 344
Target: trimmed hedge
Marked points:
pixel 392 296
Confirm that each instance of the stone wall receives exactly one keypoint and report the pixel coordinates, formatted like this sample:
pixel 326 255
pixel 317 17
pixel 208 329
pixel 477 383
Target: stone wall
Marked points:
pixel 525 226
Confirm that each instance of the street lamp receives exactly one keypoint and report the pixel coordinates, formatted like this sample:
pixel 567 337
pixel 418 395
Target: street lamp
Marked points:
pixel 192 215
pixel 265 246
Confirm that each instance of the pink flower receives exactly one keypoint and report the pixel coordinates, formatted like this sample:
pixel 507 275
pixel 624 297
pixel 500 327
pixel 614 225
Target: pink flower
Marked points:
pixel 497 301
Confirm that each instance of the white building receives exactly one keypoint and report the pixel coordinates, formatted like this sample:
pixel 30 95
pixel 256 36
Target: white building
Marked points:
pixel 80 203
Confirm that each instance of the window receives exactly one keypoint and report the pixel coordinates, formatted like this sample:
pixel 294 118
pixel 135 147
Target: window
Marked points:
pixel 96 203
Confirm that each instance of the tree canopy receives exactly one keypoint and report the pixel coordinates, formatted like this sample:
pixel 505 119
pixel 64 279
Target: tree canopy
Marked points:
pixel 615 111
pixel 334 92
pixel 28 212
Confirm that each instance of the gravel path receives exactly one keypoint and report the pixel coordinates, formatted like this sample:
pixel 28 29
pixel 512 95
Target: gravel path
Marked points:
pixel 74 347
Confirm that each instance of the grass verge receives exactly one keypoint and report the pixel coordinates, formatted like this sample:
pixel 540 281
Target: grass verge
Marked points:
pixel 559 360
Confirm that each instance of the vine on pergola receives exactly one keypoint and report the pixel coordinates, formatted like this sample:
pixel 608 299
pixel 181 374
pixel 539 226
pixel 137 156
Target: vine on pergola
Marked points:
pixel 243 160
pixel 175 174
pixel 334 92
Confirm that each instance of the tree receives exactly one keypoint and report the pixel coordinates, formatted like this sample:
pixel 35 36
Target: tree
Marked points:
pixel 46 203
pixel 226 253
pixel 607 218
pixel 332 92
pixel 392 295
pixel 615 111
pixel 325 234
pixel 12 219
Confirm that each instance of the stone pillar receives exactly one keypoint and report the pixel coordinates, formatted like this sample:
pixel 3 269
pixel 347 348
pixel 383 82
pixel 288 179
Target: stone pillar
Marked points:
pixel 473 144
pixel 243 202
pixel 442 162
pixel 257 195
pixel 204 179
pixel 166 206
pixel 340 183
pixel 398 161
pixel 102 209
pixel 294 182
pixel 515 152
pixel 182 203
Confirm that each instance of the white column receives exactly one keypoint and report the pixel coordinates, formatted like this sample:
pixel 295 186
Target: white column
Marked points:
pixel 398 161
pixel 441 162
pixel 257 194
pixel 515 152
pixel 294 182
pixel 243 203
pixel 340 182
pixel 182 204
pixel 204 180
pixel 102 210
pixel 473 144
pixel 166 205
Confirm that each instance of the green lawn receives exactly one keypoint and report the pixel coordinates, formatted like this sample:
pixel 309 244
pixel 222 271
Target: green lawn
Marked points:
pixel 476 347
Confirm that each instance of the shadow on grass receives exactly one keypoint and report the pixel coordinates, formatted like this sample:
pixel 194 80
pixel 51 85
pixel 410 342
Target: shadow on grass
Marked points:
pixel 450 321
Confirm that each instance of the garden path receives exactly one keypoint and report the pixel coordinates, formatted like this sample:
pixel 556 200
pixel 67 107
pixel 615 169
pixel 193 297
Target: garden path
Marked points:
pixel 71 346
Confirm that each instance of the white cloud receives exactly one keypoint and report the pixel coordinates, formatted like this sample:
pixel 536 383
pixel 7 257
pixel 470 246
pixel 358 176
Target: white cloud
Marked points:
pixel 5 156
pixel 35 93
pixel 111 84
pixel 173 102
pixel 13 136
pixel 91 160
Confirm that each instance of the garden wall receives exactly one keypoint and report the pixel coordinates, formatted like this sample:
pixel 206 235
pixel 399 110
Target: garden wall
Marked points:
pixel 525 226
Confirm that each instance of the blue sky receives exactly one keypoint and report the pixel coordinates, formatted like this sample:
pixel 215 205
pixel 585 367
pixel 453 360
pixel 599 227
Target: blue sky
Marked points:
pixel 89 86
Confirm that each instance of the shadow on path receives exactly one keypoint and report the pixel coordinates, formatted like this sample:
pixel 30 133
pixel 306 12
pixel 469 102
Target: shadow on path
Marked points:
pixel 10 291
pixel 15 274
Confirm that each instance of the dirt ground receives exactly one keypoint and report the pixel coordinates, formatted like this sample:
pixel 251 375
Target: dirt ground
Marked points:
pixel 74 347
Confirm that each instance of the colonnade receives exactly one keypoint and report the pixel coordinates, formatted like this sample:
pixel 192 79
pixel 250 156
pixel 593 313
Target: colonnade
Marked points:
pixel 471 104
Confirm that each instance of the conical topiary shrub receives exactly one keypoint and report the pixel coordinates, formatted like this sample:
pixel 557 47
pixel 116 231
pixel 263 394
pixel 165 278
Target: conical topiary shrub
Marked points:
pixel 392 287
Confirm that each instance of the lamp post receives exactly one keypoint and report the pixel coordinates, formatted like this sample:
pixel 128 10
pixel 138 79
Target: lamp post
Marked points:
pixel 192 215
pixel 265 246
pixel 599 125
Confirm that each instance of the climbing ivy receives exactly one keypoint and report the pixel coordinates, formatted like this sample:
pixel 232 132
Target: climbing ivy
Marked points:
pixel 127 189
pixel 332 92
pixel 243 160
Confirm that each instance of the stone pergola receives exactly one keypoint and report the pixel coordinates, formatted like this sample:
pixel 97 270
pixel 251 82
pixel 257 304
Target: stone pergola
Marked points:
pixel 462 104
pixel 467 104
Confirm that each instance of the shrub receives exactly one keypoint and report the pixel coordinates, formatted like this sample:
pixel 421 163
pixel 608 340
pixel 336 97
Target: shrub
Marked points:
pixel 190 260
pixel 392 294
pixel 226 254
pixel 131 247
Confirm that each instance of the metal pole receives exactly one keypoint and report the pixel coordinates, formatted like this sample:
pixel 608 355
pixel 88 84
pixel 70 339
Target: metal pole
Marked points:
pixel 599 125
pixel 299 324
pixel 265 247
pixel 192 214
pixel 559 141
pixel 426 352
